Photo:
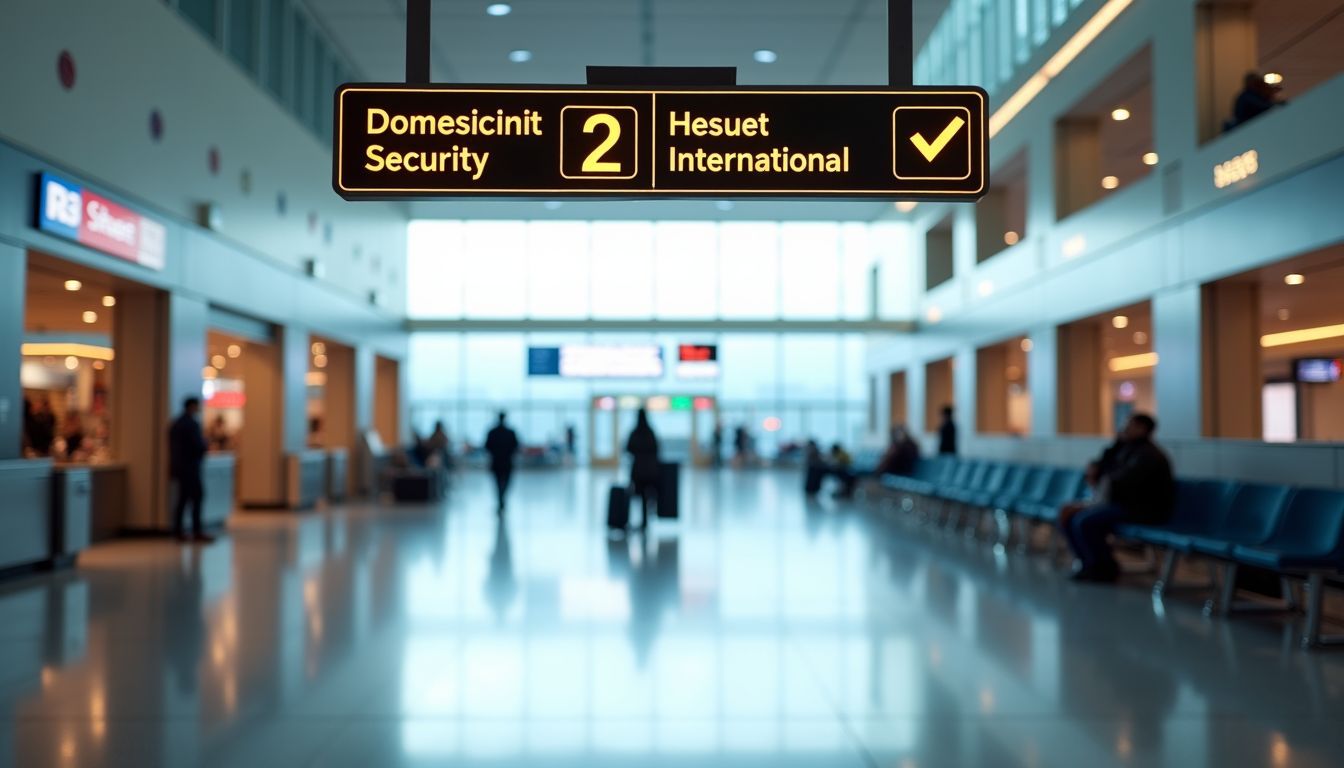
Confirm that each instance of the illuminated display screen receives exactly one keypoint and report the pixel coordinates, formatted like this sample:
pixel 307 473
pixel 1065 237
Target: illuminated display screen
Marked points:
pixel 1317 370
pixel 583 361
pixel 697 361
pixel 528 141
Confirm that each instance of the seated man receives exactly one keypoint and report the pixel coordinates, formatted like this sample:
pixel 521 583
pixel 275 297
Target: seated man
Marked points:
pixel 816 468
pixel 1134 484
pixel 842 469
pixel 902 454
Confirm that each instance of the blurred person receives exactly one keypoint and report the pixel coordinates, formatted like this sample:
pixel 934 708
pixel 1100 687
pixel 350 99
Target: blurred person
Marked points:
pixel 25 436
pixel 716 444
pixel 72 434
pixel 502 445
pixel 436 446
pixel 947 434
pixel 186 452
pixel 315 439
pixel 901 456
pixel 742 446
pixel 644 474
pixel 218 435
pixel 42 432
pixel 1256 98
pixel 1134 485
pixel 571 440
pixel 815 470
pixel 842 469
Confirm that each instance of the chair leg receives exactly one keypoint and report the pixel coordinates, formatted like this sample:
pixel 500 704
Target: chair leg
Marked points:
pixel 1315 605
pixel 1169 563
pixel 1222 604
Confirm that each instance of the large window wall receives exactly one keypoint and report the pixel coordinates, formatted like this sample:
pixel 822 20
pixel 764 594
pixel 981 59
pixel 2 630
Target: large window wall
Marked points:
pixel 983 42
pixel 641 270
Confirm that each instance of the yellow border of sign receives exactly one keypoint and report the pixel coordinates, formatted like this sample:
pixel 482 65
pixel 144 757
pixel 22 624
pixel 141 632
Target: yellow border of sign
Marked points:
pixel 970 151
pixel 562 142
pixel 340 133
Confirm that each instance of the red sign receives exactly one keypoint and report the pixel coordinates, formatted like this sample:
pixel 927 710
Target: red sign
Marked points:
pixel 227 400
pixel 78 213
pixel 697 353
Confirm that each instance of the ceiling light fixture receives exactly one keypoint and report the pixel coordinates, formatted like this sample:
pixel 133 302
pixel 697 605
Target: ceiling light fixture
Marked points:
pixel 765 56
pixel 1010 237
pixel 520 56
pixel 1120 322
pixel 218 362
pixel 109 301
pixel 1110 182
pixel 1150 158
pixel 1294 278
pixel 90 317
pixel 1273 78
pixel 1140 338
pixel 71 363
pixel 235 351
pixel 499 9
pixel 1284 314
pixel 934 315
pixel 1119 114
pixel 906 206
pixel 1302 335
pixel 1132 362
pixel 1027 345
pixel 73 285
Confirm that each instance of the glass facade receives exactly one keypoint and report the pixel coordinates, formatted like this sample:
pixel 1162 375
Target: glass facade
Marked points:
pixel 985 42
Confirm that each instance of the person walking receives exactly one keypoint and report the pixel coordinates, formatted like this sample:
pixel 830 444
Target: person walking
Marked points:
pixel 502 445
pixel 644 473
pixel 186 453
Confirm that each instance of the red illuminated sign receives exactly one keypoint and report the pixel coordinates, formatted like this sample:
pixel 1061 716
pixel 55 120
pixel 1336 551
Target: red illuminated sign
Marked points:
pixel 697 353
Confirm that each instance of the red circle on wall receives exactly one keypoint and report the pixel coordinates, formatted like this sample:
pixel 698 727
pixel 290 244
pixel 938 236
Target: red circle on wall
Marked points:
pixel 213 160
pixel 65 69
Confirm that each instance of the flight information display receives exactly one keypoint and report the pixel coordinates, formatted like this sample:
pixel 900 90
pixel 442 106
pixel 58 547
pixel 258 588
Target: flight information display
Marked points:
pixel 418 141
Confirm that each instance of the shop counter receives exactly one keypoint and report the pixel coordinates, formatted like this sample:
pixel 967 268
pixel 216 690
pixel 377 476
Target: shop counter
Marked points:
pixel 71 512
pixel 25 515
pixel 218 476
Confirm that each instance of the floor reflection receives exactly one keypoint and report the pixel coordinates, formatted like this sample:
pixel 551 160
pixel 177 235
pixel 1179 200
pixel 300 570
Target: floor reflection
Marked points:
pixel 761 629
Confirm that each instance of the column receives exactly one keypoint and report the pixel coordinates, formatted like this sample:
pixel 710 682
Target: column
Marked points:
pixel 1043 380
pixel 991 389
pixel 1177 380
pixel 13 280
pixel 1231 370
pixel 141 404
pixel 1079 379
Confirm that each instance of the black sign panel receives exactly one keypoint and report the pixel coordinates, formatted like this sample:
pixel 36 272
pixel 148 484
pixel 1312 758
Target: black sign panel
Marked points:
pixel 445 141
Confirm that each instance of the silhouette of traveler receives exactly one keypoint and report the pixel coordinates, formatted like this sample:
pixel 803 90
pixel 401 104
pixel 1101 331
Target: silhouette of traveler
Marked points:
pixel 816 468
pixel 1136 487
pixel 643 449
pixel 902 454
pixel 947 434
pixel 841 467
pixel 436 446
pixel 186 452
pixel 502 445
pixel 42 428
pixel 1256 98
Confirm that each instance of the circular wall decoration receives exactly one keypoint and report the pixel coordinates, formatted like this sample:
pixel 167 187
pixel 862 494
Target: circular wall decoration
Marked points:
pixel 155 125
pixel 65 70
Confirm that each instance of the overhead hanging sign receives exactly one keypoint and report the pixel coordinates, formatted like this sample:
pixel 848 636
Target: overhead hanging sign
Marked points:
pixel 416 141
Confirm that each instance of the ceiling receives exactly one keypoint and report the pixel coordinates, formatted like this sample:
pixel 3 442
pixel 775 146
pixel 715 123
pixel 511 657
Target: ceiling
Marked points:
pixel 818 42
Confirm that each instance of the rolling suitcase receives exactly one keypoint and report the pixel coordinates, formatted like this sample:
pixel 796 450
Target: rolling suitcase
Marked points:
pixel 669 487
pixel 618 508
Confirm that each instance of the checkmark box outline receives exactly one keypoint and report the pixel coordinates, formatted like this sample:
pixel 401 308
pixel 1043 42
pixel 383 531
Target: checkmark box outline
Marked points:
pixel 896 137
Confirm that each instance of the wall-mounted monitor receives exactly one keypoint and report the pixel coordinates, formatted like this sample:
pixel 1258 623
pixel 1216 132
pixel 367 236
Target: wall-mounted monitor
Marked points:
pixel 1316 370
pixel 594 361
pixel 697 361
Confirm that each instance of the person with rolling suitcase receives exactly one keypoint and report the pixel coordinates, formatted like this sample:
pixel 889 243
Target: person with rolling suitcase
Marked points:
pixel 645 472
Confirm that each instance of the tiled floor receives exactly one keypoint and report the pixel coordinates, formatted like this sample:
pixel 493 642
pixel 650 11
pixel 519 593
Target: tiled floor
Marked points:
pixel 759 631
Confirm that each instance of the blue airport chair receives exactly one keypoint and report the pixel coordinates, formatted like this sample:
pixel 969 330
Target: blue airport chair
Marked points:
pixel 1013 484
pixel 1250 520
pixel 1308 541
pixel 1200 509
pixel 991 478
pixel 1065 485
pixel 1033 488
pixel 971 477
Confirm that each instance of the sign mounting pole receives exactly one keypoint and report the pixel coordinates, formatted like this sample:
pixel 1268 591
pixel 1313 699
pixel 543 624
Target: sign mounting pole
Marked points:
pixel 901 43
pixel 417 42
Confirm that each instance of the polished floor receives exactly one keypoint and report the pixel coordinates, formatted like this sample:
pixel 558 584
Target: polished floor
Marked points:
pixel 758 631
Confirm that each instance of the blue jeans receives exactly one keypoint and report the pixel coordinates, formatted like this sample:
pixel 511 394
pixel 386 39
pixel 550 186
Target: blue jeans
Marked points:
pixel 1087 532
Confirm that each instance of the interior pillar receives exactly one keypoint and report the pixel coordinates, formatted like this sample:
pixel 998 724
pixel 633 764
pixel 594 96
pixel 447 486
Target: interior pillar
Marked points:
pixel 13 281
pixel 1231 369
pixel 141 405
pixel 1079 378
pixel 991 389
pixel 1177 380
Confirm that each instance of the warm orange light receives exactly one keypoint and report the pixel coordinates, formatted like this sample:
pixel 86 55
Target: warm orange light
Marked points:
pixel 906 206
pixel 1010 237
pixel 1294 279
pixel 1133 362
pixel 1302 335
pixel 54 349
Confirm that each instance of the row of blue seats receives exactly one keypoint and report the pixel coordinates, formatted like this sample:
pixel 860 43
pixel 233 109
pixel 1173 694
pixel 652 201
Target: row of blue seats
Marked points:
pixel 1296 533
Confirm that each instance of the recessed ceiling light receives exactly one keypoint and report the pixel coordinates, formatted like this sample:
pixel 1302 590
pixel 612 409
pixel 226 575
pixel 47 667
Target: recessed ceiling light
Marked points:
pixel 1027 345
pixel 73 285
pixel 1110 182
pixel 1273 78
pixel 499 9
pixel 1140 338
pixel 1119 322
pixel 1284 314
pixel 71 363
pixel 906 206
pixel 765 56
pixel 1119 114
pixel 235 351
pixel 1294 279
pixel 218 362
pixel 109 301
pixel 1150 158
pixel 1010 237
pixel 520 56
pixel 90 317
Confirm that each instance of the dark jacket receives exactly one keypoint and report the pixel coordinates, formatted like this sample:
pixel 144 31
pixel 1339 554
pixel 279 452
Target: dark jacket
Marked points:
pixel 1141 482
pixel 186 446
pixel 501 443
pixel 947 438
pixel 1250 105
pixel 643 448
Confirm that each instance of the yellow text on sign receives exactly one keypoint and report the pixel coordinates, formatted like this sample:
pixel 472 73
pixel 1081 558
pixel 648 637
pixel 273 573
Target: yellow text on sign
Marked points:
pixel 593 163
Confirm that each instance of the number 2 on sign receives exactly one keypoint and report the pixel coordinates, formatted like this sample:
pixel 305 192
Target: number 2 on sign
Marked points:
pixel 594 162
